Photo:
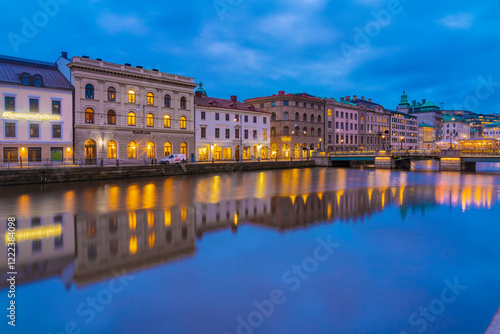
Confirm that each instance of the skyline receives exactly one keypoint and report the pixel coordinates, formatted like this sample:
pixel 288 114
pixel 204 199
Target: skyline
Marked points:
pixel 370 48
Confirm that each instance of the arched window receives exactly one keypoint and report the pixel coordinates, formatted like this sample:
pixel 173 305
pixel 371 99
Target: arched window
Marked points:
pixel 112 149
pixel 111 117
pixel 89 115
pixel 285 116
pixel 90 150
pixel 25 78
pixel 329 112
pixel 273 117
pixel 167 149
pixel 183 103
pixel 304 117
pixel 297 116
pixel 312 147
pixel 274 150
pixel 167 101
pixel 131 96
pixel 132 150
pixel 313 133
pixel 312 118
pixel 319 119
pixel 131 118
pixel 89 91
pixel 151 150
pixel 150 99
pixel 184 148
pixel 183 123
pixel 166 121
pixel 111 94
pixel 150 120
pixel 297 151
pixel 273 132
pixel 296 131
pixel 37 80
pixel 286 151
pixel 319 132
pixel 286 131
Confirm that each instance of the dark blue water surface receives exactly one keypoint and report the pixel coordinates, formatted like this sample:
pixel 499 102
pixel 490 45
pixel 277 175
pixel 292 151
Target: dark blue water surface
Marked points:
pixel 293 251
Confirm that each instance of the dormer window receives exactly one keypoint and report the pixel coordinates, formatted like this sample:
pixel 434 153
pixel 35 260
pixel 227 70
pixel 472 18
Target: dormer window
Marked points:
pixel 25 79
pixel 213 103
pixel 233 105
pixel 37 80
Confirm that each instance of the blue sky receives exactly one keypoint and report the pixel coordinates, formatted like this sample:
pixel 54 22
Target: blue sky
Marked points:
pixel 439 50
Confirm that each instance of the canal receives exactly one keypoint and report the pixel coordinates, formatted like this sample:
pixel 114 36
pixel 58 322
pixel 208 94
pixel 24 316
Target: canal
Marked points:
pixel 317 250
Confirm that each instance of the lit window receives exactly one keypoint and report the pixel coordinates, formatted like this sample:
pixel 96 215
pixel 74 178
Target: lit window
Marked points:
pixel 10 103
pixel 132 150
pixel 183 122
pixel 150 121
pixel 89 115
pixel 151 150
pixel 150 99
pixel 111 117
pixel 167 149
pixel 166 121
pixel 131 96
pixel 111 94
pixel 112 149
pixel 131 119
pixel 56 107
pixel 184 148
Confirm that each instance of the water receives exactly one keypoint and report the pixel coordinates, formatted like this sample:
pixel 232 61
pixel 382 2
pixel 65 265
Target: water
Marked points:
pixel 293 251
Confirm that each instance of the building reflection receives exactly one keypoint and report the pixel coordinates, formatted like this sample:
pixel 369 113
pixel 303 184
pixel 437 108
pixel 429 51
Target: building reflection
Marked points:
pixel 85 248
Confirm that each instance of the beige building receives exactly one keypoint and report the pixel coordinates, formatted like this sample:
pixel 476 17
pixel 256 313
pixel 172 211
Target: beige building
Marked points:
pixel 426 135
pixel 130 113
pixel 297 120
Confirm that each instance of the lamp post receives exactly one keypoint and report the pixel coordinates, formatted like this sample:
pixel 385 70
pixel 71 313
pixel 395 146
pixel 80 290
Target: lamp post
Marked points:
pixel 301 149
pixel 143 127
pixel 401 138
pixel 342 144
pixel 241 136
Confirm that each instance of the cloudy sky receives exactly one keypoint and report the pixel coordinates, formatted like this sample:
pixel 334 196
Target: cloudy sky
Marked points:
pixel 446 52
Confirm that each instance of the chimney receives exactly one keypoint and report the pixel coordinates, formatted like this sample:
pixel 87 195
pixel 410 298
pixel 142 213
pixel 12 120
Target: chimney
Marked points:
pixel 138 66
pixel 362 98
pixel 347 98
pixel 154 70
pixel 98 59
pixel 197 94
pixel 234 98
pixel 64 54
pixel 127 64
pixel 281 92
pixel 304 95
pixel 423 101
pixel 354 97
pixel 86 57
pixel 342 99
pixel 369 100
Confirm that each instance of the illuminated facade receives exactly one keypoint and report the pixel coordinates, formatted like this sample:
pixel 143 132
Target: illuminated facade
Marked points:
pixel 296 120
pixel 404 131
pixel 426 135
pixel 37 112
pixel 221 124
pixel 130 113
pixel 426 112
pixel 455 127
pixel 492 131
pixel 341 125
pixel 374 125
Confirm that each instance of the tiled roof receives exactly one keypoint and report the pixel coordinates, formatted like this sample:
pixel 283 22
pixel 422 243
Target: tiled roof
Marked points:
pixel 11 69
pixel 365 103
pixel 303 95
pixel 206 101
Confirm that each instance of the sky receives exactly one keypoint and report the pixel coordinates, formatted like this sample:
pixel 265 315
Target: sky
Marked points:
pixel 442 51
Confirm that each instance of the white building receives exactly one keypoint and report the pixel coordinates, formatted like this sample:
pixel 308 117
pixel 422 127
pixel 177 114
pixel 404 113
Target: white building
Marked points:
pixel 223 125
pixel 37 115
pixel 456 127
pixel 492 131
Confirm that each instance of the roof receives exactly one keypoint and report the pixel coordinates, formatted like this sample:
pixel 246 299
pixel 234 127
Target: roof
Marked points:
pixel 423 125
pixel 453 118
pixel 427 104
pixel 401 113
pixel 365 103
pixel 206 101
pixel 11 69
pixel 282 94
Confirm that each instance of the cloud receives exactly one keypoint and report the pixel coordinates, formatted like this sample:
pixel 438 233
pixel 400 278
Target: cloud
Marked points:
pixel 457 21
pixel 114 24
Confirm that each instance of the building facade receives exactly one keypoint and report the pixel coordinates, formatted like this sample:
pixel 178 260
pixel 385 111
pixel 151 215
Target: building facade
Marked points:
pixel 130 113
pixel 455 128
pixel 297 123
pixel 341 128
pixel 404 131
pixel 374 125
pixel 492 131
pixel 426 135
pixel 426 112
pixel 37 115
pixel 223 125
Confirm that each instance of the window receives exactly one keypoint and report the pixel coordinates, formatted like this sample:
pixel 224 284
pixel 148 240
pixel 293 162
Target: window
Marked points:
pixel 264 134
pixel 285 116
pixel 217 133
pixel 254 134
pixel 203 115
pixel 34 105
pixel 329 112
pixel 203 132
pixel 297 131
pixel 264 120
pixel 273 117
pixel 304 117
pixel 111 117
pixel 227 117
pixel 183 103
pixel 166 121
pixel 319 132
pixel 112 149
pixel 286 131
pixel 246 118
pixel 167 101
pixel 111 94
pixel 273 104
pixel 319 119
pixel 216 116
pixel 237 133
pixel 89 115
pixel 183 123
pixel 34 130
pixel 341 114
pixel 329 124
pixel 37 80
pixel 89 91
pixel 56 107
pixel 262 105
pixel 25 78
pixel 312 118
pixel 228 134
pixel 255 119
pixel 167 149
pixel 297 116
pixel 34 154
pixel 10 130
pixel 273 131
pixel 10 103
pixel 184 148
pixel 312 132
pixel 246 134
pixel 132 150
pixel 329 139
pixel 131 119
pixel 131 96
pixel 56 131
pixel 150 99
pixel 285 103
pixel 151 150
pixel 150 120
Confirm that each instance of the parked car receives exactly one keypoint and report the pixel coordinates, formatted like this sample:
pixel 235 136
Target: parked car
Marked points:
pixel 174 159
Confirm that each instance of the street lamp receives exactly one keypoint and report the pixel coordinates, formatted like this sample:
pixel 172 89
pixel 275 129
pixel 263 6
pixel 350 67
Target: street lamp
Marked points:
pixel 143 127
pixel 401 138
pixel 342 144
pixel 383 142
pixel 241 136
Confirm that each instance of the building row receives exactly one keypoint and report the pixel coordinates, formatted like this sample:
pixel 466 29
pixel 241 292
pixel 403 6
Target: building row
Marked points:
pixel 88 111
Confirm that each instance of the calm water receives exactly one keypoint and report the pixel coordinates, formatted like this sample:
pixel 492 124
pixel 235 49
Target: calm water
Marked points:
pixel 294 251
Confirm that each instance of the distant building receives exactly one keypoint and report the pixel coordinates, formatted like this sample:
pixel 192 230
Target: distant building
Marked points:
pixel 37 118
pixel 492 131
pixel 374 125
pixel 404 131
pixel 342 125
pixel 221 125
pixel 426 135
pixel 297 123
pixel 426 112
pixel 456 128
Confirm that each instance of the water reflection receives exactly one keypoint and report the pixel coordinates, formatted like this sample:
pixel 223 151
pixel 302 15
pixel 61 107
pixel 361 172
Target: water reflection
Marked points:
pixel 83 247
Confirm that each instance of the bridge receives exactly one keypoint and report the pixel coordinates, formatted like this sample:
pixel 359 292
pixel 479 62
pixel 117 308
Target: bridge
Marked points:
pixel 449 160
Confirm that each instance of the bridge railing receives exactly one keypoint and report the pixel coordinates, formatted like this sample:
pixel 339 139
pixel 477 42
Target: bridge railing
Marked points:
pixel 416 153
pixel 351 153
pixel 475 153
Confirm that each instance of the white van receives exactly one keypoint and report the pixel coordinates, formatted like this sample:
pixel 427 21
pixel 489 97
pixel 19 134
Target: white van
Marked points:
pixel 174 159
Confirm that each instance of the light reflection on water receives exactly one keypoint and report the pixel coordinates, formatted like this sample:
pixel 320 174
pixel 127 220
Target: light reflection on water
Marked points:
pixel 402 234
